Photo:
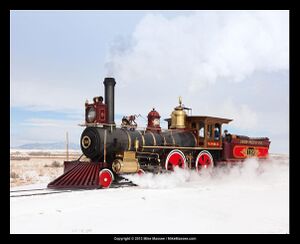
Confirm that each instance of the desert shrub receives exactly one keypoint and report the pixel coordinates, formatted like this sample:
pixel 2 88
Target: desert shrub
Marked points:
pixel 19 157
pixel 14 175
pixel 54 164
pixel 42 153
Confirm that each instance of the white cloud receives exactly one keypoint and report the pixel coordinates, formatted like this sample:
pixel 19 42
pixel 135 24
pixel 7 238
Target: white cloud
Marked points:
pixel 44 94
pixel 41 122
pixel 163 59
pixel 244 117
pixel 202 48
pixel 226 64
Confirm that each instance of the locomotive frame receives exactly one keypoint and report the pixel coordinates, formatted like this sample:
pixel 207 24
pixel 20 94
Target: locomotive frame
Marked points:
pixel 194 142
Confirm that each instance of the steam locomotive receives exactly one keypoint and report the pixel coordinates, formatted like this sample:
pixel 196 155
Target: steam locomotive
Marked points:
pixel 194 142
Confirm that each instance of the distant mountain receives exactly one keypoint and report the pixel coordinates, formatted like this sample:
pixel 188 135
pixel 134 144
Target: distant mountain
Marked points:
pixel 56 145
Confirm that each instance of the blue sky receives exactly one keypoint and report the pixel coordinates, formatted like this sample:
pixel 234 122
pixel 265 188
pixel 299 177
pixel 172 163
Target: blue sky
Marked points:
pixel 223 63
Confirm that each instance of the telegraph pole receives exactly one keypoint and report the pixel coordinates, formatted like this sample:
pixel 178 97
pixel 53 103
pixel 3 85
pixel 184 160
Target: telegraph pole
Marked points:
pixel 67 145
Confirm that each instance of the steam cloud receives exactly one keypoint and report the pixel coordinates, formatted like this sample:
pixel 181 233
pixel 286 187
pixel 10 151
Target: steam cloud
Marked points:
pixel 202 48
pixel 230 64
pixel 249 173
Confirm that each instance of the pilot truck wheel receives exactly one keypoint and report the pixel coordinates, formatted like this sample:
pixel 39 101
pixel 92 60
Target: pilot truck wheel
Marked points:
pixel 106 177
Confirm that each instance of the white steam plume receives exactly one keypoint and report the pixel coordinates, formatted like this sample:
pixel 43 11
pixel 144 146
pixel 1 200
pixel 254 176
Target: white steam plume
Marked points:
pixel 202 48
pixel 250 173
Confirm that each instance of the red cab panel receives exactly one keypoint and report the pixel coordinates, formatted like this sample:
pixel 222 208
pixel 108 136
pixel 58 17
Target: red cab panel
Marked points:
pixel 242 151
pixel 101 111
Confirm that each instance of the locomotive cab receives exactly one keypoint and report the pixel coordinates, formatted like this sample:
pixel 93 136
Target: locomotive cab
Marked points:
pixel 208 130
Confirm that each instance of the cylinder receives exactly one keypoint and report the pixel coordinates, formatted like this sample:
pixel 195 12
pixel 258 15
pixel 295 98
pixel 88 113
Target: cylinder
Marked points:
pixel 109 93
pixel 120 167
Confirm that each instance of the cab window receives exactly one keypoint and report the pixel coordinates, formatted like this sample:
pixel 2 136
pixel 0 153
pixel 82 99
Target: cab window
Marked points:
pixel 193 125
pixel 209 131
pixel 217 132
pixel 201 130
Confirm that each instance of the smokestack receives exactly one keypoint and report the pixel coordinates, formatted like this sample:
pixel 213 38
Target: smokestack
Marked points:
pixel 109 93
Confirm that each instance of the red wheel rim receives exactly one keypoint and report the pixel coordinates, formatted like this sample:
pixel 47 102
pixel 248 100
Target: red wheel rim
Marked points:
pixel 105 178
pixel 175 159
pixel 141 172
pixel 204 160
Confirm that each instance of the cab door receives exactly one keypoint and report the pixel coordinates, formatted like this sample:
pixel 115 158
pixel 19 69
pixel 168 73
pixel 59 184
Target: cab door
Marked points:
pixel 213 135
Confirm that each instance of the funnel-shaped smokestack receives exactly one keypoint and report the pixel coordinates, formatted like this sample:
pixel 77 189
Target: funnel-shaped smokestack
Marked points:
pixel 109 94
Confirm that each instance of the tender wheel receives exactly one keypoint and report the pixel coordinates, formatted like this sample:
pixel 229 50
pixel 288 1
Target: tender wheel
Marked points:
pixel 204 160
pixel 175 158
pixel 106 177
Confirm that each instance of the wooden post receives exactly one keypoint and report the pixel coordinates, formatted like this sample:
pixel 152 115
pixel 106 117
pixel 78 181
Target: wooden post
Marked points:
pixel 205 134
pixel 67 145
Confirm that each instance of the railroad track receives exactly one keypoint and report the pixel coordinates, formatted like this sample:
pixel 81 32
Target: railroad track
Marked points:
pixel 47 191
pixel 37 192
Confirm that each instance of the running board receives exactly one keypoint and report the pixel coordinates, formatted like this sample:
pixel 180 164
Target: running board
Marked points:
pixel 77 175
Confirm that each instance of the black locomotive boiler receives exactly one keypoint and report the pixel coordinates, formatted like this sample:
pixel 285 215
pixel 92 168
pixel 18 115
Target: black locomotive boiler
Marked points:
pixel 193 142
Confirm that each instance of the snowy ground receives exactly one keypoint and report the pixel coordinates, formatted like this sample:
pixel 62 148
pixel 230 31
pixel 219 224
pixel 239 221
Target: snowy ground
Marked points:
pixel 253 198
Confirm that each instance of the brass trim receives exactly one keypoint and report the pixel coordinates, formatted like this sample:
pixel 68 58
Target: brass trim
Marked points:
pixel 136 144
pixel 116 165
pixel 129 155
pixel 154 140
pixel 143 139
pixel 129 164
pixel 194 138
pixel 165 142
pixel 86 145
pixel 171 133
pixel 129 140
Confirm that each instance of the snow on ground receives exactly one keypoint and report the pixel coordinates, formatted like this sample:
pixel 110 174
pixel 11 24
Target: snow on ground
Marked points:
pixel 248 198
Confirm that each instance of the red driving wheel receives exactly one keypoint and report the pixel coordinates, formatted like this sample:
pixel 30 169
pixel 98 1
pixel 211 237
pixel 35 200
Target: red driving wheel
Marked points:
pixel 204 160
pixel 175 158
pixel 140 172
